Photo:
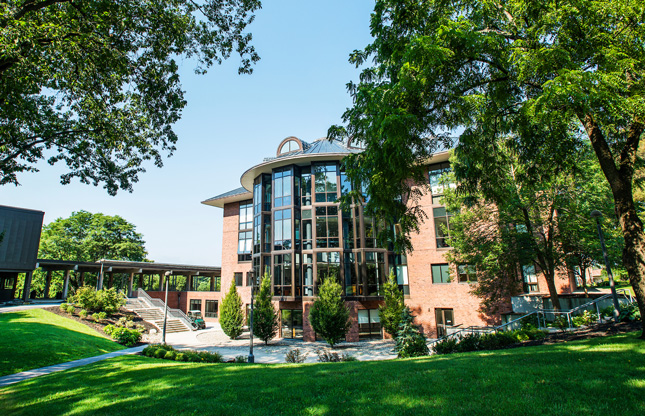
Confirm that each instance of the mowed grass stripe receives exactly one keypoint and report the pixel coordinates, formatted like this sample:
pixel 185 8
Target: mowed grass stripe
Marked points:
pixel 36 338
pixel 602 376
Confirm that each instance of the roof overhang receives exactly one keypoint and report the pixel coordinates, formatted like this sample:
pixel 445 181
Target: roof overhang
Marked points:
pixel 220 202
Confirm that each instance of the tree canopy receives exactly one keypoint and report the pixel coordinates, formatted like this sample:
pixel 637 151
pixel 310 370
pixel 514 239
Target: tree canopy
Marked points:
pixel 91 237
pixel 551 73
pixel 95 83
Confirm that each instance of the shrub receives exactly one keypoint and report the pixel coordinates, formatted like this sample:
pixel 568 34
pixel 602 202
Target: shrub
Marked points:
pixel 83 314
pixel 529 322
pixel 170 355
pixel 446 346
pixel 497 340
pixel 561 322
pixel 71 309
pixel 110 300
pixel 147 351
pixel 629 312
pixel 295 356
pixel 607 312
pixel 87 298
pixel 265 318
pixel 469 342
pixel 329 316
pixel 125 336
pixel 141 328
pixel 160 353
pixel 109 329
pixel 63 307
pixel 241 359
pixel 231 317
pixel 326 356
pixel 409 341
pixel 586 318
pixel 390 312
pixel 95 316
pixel 180 356
pixel 102 316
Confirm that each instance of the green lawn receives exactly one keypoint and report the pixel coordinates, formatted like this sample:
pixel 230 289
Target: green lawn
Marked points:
pixel 602 376
pixel 36 338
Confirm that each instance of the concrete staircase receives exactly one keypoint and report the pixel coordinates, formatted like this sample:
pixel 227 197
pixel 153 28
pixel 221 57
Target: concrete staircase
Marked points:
pixel 154 315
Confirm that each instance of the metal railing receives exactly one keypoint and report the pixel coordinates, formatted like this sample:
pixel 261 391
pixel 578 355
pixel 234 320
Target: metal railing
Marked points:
pixel 158 303
pixel 541 317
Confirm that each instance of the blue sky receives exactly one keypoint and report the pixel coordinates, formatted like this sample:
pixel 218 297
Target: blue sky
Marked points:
pixel 230 123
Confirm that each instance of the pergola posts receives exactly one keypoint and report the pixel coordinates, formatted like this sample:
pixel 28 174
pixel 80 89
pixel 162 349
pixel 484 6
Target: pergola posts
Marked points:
pixel 130 284
pixel 48 282
pixel 66 283
pixel 27 288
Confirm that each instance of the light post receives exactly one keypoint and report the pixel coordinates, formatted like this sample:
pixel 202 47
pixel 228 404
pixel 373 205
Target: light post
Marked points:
pixel 597 215
pixel 251 358
pixel 165 311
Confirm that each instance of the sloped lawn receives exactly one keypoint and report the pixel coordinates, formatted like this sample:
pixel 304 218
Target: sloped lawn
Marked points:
pixel 599 376
pixel 36 338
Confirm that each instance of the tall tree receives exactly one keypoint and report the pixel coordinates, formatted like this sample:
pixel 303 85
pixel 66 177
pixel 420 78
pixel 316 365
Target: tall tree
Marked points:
pixel 95 83
pixel 231 317
pixel 329 316
pixel 550 72
pixel 265 317
pixel 89 237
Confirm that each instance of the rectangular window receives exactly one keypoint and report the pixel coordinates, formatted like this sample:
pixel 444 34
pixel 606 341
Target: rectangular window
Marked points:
pixel 375 268
pixel 530 279
pixel 325 183
pixel 308 274
pixel 211 309
pixel 195 305
pixel 438 180
pixel 246 215
pixel 249 278
pixel 440 273
pixel 305 186
pixel 291 323
pixel 327 264
pixel 238 279
pixel 445 319
pixel 282 275
pixel 467 273
pixel 327 235
pixel 282 229
pixel 369 324
pixel 282 186
pixel 441 226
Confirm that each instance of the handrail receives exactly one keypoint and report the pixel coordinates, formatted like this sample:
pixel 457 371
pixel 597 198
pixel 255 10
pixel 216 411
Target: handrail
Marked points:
pixel 158 303
pixel 538 312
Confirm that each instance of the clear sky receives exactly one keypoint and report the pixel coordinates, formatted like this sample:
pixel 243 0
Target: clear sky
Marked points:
pixel 230 123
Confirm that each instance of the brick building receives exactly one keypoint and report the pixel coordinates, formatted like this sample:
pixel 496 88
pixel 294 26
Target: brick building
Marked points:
pixel 284 220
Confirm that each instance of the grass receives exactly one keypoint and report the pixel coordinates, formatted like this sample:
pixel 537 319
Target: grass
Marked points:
pixel 36 338
pixel 600 376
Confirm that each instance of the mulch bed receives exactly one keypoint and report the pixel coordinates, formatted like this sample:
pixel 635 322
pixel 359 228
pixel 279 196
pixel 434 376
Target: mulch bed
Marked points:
pixel 98 326
pixel 595 331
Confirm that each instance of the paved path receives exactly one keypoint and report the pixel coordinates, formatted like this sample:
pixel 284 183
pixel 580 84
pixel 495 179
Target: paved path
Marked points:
pixel 25 375
pixel 35 305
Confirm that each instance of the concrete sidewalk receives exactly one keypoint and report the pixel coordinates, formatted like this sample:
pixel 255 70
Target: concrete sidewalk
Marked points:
pixel 26 375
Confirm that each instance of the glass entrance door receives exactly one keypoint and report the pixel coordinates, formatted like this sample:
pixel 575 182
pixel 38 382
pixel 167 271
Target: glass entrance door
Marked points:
pixel 445 318
pixel 291 323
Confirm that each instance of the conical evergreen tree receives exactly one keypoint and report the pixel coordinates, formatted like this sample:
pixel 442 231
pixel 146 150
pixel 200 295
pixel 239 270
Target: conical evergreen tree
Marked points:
pixel 265 317
pixel 328 315
pixel 390 312
pixel 231 315
pixel 410 342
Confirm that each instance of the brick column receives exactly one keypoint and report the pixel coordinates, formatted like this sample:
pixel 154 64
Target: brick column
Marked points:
pixel 352 334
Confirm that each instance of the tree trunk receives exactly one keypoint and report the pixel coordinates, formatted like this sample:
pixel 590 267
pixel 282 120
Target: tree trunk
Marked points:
pixel 634 252
pixel 553 291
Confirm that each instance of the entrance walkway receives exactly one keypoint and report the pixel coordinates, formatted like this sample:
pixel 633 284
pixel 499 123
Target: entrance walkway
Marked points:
pixel 25 375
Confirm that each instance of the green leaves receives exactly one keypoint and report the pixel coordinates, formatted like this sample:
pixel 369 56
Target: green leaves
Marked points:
pixel 231 318
pixel 329 316
pixel 96 82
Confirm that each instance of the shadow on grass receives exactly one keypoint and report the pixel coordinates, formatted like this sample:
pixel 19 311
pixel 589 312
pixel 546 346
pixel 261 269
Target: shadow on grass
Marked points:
pixel 26 343
pixel 550 380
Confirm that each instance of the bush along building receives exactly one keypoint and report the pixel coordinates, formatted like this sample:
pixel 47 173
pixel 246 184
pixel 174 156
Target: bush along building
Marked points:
pixel 285 220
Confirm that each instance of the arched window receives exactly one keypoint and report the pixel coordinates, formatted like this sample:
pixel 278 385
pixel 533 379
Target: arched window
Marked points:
pixel 289 146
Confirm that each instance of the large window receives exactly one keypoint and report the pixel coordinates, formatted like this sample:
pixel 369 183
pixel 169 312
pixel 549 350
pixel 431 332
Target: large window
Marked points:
pixel 466 273
pixel 445 319
pixel 440 273
pixel 327 227
pixel 326 182
pixel 530 279
pixel 327 264
pixel 305 187
pixel 307 230
pixel 438 181
pixel 282 229
pixel 369 323
pixel 308 274
pixel 211 309
pixel 291 320
pixel 442 226
pixel 195 305
pixel 238 279
pixel 282 275
pixel 375 266
pixel 282 187
pixel 401 272
pixel 245 242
